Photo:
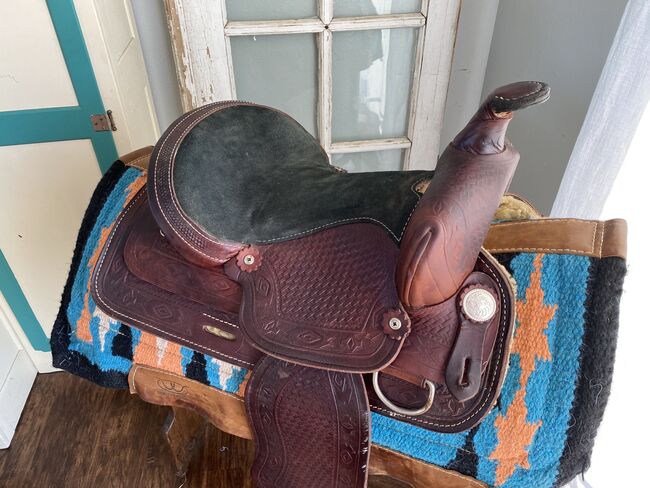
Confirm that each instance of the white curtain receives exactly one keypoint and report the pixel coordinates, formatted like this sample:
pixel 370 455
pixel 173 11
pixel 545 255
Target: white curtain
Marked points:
pixel 619 100
pixel 615 137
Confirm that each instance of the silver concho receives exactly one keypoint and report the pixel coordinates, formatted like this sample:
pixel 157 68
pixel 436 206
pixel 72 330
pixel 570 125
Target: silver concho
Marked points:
pixel 479 305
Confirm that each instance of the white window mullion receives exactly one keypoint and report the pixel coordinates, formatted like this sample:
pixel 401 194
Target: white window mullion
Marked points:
pixel 415 86
pixel 370 145
pixel 201 40
pixel 395 21
pixel 326 11
pixel 269 27
pixel 325 89
pixel 324 109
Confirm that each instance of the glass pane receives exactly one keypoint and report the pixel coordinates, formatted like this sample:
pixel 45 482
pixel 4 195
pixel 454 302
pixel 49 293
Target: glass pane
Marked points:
pixel 279 71
pixel 270 9
pixel 346 8
pixel 371 81
pixel 390 160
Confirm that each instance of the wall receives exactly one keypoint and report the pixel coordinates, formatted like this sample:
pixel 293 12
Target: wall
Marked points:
pixel 475 29
pixel 156 47
pixel 564 44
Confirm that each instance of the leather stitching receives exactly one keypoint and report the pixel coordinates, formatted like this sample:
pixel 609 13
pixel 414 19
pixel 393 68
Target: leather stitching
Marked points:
pixel 157 174
pixel 362 219
pixel 176 144
pixel 539 88
pixel 602 238
pixel 220 320
pixel 95 285
pixel 540 249
pixel 494 373
pixel 543 221
pixel 597 241
pixel 137 160
pixel 593 241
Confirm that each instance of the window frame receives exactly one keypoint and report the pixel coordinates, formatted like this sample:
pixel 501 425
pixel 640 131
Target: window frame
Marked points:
pixel 200 34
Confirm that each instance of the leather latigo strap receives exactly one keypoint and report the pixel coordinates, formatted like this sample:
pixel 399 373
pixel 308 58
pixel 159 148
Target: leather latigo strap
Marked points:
pixel 311 427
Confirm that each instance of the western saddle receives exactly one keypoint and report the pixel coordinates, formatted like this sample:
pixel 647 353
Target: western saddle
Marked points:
pixel 343 292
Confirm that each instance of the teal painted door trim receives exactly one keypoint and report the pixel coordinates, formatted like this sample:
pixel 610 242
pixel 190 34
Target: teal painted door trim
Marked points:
pixel 21 308
pixel 56 124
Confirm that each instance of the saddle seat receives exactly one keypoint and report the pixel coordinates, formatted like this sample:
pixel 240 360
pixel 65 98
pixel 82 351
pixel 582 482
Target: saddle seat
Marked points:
pixel 250 174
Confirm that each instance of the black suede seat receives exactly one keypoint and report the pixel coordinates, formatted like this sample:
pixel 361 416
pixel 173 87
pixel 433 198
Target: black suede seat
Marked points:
pixel 251 174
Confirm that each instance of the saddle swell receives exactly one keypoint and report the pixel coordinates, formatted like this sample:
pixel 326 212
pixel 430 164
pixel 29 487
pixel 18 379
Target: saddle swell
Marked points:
pixel 250 246
pixel 450 223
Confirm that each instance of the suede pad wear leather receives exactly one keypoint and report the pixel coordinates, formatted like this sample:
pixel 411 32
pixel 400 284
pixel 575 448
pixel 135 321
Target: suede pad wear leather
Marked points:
pixel 252 174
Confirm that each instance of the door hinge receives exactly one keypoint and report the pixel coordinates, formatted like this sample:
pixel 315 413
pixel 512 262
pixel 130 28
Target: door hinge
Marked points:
pixel 103 122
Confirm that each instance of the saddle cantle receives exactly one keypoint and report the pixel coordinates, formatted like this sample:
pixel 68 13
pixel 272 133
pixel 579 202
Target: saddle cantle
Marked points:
pixel 247 243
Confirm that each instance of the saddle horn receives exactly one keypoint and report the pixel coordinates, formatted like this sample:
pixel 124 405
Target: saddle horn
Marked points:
pixel 444 236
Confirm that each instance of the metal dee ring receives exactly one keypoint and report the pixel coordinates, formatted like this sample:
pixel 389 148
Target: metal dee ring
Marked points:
pixel 404 411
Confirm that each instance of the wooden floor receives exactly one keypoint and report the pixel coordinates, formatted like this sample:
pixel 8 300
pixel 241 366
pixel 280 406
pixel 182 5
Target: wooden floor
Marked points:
pixel 76 434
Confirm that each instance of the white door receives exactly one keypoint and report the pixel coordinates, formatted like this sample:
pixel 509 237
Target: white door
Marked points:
pixel 69 60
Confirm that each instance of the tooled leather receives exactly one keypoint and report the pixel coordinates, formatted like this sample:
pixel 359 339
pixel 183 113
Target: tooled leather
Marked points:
pixel 121 294
pixel 449 224
pixel 133 301
pixel 427 350
pixel 447 413
pixel 451 220
pixel 311 427
pixel 321 300
pixel 151 257
pixel 191 241
pixel 485 133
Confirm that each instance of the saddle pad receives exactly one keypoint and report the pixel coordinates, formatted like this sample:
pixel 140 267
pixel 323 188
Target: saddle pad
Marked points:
pixel 311 427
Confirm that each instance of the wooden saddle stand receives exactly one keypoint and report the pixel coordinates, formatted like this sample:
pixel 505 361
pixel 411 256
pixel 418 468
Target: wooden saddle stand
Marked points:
pixel 345 293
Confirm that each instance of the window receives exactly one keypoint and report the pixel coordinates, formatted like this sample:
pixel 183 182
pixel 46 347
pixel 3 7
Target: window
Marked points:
pixel 367 78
